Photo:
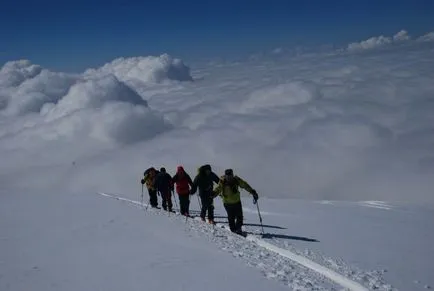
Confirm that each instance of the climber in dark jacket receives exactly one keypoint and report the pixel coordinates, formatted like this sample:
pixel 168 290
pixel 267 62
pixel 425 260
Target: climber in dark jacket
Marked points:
pixel 204 181
pixel 164 184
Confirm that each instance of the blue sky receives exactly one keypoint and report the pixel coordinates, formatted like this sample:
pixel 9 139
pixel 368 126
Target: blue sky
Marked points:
pixel 73 35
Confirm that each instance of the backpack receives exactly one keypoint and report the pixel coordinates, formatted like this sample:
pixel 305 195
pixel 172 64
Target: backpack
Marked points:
pixel 182 184
pixel 148 170
pixel 233 183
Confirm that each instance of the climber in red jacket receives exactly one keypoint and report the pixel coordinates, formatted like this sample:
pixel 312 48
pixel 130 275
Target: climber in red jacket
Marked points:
pixel 183 183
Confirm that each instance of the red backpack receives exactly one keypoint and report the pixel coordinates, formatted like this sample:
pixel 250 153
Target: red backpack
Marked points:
pixel 182 180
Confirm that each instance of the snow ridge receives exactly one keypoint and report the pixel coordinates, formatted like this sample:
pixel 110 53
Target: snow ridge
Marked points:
pixel 266 249
pixel 332 275
pixel 271 265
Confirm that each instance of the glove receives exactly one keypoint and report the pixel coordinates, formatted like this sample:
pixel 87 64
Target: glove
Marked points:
pixel 255 196
pixel 142 181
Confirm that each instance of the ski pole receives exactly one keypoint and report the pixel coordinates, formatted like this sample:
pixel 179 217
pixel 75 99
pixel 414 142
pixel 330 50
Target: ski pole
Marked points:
pixel 142 197
pixel 167 194
pixel 174 199
pixel 260 217
pixel 200 204
pixel 186 214
pixel 147 205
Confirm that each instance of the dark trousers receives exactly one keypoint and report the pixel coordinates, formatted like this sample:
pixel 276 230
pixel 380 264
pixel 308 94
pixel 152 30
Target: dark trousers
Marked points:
pixel 153 197
pixel 184 204
pixel 235 216
pixel 167 200
pixel 207 205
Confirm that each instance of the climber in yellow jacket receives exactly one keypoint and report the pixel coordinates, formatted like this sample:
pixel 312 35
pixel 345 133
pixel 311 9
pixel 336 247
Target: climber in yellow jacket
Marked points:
pixel 228 190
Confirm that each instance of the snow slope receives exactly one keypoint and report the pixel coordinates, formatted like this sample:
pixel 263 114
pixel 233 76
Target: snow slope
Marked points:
pixel 339 145
pixel 366 249
pixel 72 241
pixel 393 244
pixel 82 242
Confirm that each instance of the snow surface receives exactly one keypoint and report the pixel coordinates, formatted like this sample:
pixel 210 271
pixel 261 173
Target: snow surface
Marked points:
pixel 338 143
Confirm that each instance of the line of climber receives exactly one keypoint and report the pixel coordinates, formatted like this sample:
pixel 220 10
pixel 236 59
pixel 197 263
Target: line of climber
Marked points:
pixel 227 188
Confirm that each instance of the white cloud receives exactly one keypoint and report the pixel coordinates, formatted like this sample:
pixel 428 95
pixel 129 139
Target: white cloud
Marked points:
pixel 288 94
pixel 15 72
pixel 277 51
pixel 25 87
pixel 401 36
pixel 427 37
pixel 379 41
pixel 320 126
pixel 95 104
pixel 34 92
pixel 126 123
pixel 145 69
pixel 370 43
pixel 109 111
pixel 94 93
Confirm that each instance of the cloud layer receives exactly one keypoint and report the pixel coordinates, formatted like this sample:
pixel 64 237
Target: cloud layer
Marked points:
pixel 108 106
pixel 339 125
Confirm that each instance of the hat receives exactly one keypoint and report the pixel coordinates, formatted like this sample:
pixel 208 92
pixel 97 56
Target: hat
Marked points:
pixel 229 172
pixel 205 168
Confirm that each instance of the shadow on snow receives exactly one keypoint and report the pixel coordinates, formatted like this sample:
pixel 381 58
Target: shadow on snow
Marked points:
pixel 274 235
pixel 291 237
pixel 264 225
